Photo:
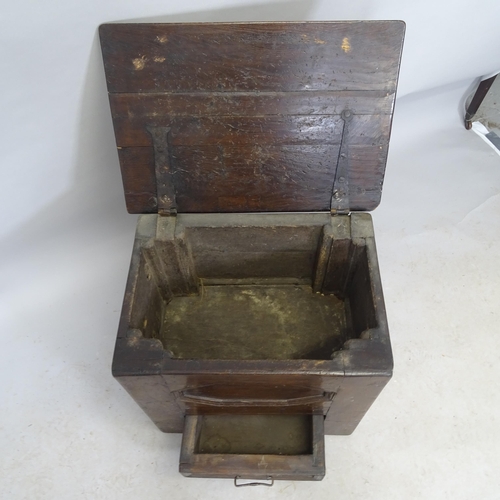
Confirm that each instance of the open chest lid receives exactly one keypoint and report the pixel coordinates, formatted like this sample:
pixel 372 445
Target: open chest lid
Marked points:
pixel 252 117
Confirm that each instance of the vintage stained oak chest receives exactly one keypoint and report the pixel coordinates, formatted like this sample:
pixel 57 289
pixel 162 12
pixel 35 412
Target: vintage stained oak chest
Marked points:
pixel 253 318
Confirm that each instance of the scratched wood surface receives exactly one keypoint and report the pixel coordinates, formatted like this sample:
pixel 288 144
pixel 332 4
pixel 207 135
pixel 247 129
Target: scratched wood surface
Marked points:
pixel 253 111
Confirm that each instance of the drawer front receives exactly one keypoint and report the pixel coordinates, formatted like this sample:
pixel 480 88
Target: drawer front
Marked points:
pixel 261 447
pixel 253 398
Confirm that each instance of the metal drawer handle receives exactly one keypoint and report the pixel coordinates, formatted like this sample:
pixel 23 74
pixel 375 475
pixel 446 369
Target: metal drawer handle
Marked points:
pixel 253 483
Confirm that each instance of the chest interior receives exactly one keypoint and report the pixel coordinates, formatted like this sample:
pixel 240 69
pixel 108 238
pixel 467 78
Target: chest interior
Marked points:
pixel 283 286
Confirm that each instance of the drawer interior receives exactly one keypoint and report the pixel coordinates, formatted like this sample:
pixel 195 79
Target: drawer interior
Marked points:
pixel 255 434
pixel 253 446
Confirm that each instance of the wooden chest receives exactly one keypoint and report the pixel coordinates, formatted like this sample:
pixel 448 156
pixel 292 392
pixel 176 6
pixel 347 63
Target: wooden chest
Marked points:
pixel 253 318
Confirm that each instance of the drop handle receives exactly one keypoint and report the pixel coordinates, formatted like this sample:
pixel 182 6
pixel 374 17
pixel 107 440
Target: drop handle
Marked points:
pixel 253 483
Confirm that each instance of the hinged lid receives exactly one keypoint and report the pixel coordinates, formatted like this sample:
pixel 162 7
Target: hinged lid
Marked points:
pixel 252 117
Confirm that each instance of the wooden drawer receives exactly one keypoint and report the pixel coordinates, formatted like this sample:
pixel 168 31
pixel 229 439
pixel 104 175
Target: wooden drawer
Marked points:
pixel 261 447
pixel 253 398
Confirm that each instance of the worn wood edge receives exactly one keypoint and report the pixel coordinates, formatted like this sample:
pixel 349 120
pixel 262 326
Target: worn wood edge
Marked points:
pixel 241 472
pixel 158 274
pixel 137 356
pixel 190 436
pixel 134 354
pixel 255 281
pixel 264 219
pixel 363 228
pixel 372 206
pixel 362 225
pixel 366 358
pixel 322 258
pixel 145 230
pixel 318 439
pixel 334 367
pixel 231 23
pixel 364 102
pixel 372 351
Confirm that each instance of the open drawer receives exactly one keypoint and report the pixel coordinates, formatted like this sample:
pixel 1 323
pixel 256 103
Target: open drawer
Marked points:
pixel 262 447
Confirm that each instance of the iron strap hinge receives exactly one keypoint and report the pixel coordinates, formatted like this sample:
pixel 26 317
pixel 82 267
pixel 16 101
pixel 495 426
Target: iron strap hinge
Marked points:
pixel 165 187
pixel 339 204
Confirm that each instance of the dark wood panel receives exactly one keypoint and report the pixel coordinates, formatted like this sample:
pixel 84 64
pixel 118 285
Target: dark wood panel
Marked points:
pixel 216 179
pixel 241 265
pixel 240 130
pixel 249 107
pixel 353 400
pixel 366 176
pixel 152 394
pixel 257 179
pixel 137 172
pixel 270 56
pixel 139 180
pixel 247 238
pixel 141 203
pixel 254 130
pixel 147 107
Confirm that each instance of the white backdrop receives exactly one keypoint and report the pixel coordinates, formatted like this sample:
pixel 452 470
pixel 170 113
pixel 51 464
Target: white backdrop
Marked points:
pixel 67 429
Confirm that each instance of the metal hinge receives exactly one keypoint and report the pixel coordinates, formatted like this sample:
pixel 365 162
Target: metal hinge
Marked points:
pixel 333 211
pixel 165 188
pixel 339 204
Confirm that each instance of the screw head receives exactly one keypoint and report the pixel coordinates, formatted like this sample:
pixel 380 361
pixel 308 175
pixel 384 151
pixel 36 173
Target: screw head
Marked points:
pixel 346 114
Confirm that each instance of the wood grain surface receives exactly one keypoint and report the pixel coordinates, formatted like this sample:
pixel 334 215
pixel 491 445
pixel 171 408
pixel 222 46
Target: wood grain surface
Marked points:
pixel 254 111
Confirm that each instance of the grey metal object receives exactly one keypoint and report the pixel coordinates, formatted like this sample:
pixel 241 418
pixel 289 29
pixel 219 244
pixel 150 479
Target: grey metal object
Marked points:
pixel 253 483
pixel 163 169
pixel 477 99
pixel 494 139
pixel 340 194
